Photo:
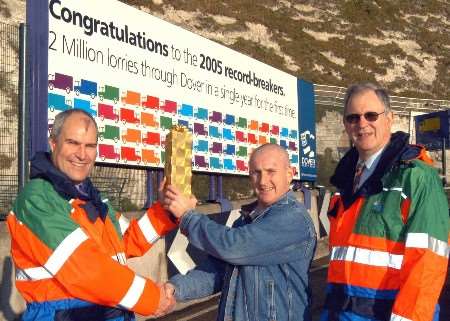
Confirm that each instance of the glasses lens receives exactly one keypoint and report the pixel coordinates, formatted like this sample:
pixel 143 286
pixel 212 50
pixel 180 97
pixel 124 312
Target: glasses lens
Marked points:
pixel 371 116
pixel 352 118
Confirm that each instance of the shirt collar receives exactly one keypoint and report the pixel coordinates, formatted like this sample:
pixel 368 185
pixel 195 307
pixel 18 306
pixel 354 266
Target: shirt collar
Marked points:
pixel 372 161
pixel 255 212
pixel 81 188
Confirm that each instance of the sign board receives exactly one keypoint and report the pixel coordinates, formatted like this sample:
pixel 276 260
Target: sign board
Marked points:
pixel 432 128
pixel 307 125
pixel 139 75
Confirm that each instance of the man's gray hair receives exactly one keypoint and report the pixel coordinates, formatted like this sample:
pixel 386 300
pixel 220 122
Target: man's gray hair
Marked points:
pixel 381 93
pixel 61 118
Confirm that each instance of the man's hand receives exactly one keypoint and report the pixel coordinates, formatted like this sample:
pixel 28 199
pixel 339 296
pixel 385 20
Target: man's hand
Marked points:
pixel 166 299
pixel 177 203
pixel 170 289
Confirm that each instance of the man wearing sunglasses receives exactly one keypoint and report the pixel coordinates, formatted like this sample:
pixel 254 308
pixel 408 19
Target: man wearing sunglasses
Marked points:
pixel 389 221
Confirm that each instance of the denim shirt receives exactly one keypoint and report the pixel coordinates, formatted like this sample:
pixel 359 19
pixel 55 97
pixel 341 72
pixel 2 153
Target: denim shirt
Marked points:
pixel 261 265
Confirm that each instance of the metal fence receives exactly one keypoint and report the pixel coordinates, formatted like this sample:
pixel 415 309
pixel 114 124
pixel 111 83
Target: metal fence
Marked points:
pixel 9 64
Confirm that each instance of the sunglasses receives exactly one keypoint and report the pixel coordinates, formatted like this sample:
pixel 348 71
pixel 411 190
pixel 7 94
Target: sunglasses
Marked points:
pixel 369 116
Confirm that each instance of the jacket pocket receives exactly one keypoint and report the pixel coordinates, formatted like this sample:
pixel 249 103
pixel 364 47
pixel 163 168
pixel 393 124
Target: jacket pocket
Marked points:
pixel 270 297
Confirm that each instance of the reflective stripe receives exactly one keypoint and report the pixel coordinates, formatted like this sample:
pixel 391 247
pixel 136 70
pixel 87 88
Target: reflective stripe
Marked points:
pixel 396 317
pixel 148 230
pixel 123 223
pixel 59 256
pixel 366 256
pixel 65 250
pixel 31 274
pixel 398 189
pixel 134 293
pixel 120 257
pixel 425 241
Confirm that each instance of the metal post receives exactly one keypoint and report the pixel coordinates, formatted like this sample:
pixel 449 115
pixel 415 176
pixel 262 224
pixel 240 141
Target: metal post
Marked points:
pixel 412 138
pixel 212 188
pixel 37 76
pixel 159 178
pixel 444 162
pixel 307 195
pixel 23 112
pixel 219 187
pixel 149 186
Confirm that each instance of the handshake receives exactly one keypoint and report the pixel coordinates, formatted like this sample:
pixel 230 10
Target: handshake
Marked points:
pixel 178 204
pixel 167 300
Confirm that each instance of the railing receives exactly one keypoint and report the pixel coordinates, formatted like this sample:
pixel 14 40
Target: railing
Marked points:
pixel 8 192
pixel 334 96
pixel 111 188
pixel 9 63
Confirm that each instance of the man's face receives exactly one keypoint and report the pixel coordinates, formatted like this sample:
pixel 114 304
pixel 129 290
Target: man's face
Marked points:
pixel 368 136
pixel 74 151
pixel 270 175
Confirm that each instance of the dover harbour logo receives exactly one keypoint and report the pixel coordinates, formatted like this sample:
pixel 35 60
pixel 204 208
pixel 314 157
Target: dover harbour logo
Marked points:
pixel 308 158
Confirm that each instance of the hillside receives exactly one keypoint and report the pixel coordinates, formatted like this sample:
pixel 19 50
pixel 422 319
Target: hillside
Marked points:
pixel 403 45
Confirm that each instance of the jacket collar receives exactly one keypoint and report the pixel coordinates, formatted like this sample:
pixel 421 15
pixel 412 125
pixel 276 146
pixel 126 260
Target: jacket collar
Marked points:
pixel 42 167
pixel 397 150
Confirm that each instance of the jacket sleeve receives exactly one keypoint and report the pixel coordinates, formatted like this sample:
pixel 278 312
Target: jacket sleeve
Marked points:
pixel 202 281
pixel 52 250
pixel 274 239
pixel 424 266
pixel 140 235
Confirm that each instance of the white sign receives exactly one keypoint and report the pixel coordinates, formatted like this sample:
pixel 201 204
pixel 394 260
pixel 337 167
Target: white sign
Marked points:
pixel 139 75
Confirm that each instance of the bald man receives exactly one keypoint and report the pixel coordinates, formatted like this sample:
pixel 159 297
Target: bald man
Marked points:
pixel 261 263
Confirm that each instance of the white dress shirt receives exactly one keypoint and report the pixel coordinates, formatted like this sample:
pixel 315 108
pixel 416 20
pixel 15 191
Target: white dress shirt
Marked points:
pixel 370 165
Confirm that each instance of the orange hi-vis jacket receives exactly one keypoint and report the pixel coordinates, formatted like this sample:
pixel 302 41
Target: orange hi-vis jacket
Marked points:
pixel 65 261
pixel 389 240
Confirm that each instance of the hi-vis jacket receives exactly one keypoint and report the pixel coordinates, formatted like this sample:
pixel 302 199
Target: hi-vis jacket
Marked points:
pixel 70 267
pixel 389 241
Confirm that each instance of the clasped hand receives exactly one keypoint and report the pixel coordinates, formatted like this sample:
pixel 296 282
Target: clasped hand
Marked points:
pixel 167 300
pixel 174 201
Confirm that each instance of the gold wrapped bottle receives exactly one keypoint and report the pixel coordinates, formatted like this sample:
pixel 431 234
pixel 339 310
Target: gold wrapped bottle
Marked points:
pixel 178 166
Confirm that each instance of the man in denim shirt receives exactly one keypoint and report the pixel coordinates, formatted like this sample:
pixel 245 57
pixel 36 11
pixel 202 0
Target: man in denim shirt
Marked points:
pixel 261 263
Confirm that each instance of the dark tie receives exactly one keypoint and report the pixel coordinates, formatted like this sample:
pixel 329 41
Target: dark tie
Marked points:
pixel 358 172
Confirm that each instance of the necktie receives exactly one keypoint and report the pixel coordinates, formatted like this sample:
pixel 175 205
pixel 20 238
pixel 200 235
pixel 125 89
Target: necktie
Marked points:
pixel 359 170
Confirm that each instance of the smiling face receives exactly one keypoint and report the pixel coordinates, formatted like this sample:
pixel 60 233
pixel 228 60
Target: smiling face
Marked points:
pixel 270 174
pixel 75 149
pixel 368 137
